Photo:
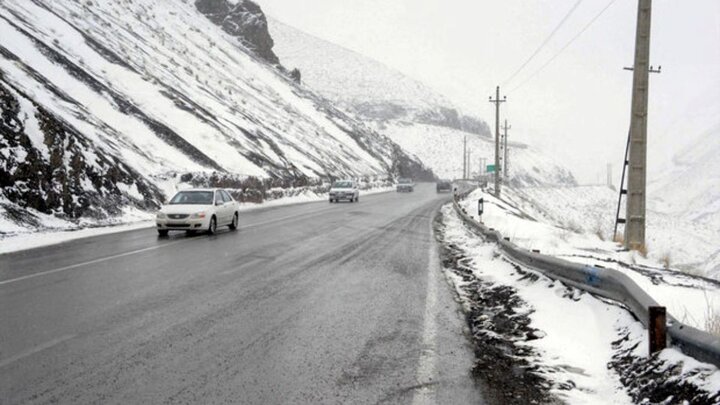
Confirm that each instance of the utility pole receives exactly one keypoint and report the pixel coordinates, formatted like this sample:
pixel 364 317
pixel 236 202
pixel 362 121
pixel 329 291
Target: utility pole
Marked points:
pixel 464 157
pixel 497 102
pixel 505 148
pixel 637 162
pixel 469 172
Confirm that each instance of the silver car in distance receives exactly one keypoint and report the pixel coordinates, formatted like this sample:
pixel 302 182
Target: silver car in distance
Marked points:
pixel 198 210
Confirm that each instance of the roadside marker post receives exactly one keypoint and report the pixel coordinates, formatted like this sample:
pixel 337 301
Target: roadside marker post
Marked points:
pixel 481 208
pixel 657 329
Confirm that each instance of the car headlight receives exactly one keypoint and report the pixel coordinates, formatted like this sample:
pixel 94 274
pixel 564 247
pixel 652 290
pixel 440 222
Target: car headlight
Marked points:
pixel 199 214
pixel 161 215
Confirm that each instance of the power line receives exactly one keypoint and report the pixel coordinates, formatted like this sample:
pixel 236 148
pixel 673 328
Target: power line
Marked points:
pixel 542 45
pixel 535 73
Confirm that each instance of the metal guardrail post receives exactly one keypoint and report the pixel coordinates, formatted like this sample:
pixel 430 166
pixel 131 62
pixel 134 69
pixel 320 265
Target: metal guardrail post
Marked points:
pixel 657 329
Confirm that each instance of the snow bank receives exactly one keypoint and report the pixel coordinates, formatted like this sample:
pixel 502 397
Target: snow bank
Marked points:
pixel 563 222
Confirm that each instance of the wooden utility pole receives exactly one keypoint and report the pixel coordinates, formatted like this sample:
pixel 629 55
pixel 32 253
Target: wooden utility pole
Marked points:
pixel 505 149
pixel 637 161
pixel 497 102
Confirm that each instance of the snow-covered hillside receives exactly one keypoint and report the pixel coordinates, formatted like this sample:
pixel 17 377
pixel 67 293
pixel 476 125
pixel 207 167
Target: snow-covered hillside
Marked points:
pixel 672 240
pixel 440 148
pixel 105 103
pixel 421 121
pixel 689 190
pixel 364 86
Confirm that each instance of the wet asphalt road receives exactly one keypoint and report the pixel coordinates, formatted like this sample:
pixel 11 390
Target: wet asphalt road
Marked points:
pixel 312 303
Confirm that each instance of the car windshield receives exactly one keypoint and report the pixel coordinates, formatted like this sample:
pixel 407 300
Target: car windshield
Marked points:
pixel 342 184
pixel 404 181
pixel 193 197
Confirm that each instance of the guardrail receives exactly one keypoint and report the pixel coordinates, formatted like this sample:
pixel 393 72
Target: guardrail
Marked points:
pixel 607 283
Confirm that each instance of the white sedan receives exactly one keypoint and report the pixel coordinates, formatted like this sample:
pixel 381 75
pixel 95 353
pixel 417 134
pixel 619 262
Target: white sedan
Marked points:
pixel 344 190
pixel 198 210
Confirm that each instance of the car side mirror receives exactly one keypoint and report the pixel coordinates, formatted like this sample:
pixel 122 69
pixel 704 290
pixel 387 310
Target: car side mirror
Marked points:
pixel 218 203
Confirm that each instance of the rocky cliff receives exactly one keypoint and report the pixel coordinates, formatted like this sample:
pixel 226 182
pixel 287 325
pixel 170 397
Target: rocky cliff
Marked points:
pixel 243 19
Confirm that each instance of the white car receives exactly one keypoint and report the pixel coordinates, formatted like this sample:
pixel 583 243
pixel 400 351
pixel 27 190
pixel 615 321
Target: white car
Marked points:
pixel 198 210
pixel 344 190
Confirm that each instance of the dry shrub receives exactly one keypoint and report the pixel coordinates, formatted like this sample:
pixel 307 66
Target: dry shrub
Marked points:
pixel 572 226
pixel 599 231
pixel 666 260
pixel 712 321
pixel 712 316
pixel 643 250
pixel 619 238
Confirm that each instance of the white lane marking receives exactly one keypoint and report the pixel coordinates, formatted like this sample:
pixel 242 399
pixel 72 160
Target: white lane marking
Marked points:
pixel 100 260
pixel 425 373
pixel 35 349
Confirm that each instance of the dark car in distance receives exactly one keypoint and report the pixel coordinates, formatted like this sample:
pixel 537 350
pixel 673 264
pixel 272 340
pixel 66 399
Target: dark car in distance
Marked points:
pixel 443 186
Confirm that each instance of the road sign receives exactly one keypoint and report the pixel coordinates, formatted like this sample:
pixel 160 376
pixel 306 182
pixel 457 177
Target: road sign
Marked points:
pixel 490 169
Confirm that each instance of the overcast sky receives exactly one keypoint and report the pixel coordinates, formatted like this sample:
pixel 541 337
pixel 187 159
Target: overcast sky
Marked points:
pixel 578 106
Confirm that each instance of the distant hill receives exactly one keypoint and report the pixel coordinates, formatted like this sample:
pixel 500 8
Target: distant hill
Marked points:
pixel 364 86
pixel 423 122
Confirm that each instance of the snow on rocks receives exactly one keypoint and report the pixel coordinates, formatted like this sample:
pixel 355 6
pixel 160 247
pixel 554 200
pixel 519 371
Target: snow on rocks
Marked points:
pixel 568 333
pixel 148 88
pixel 582 348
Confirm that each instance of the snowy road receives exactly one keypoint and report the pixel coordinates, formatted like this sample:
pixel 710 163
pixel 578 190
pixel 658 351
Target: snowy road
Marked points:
pixel 314 303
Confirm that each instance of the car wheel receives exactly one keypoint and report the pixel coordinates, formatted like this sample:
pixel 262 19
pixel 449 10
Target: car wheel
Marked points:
pixel 163 232
pixel 213 226
pixel 331 201
pixel 234 224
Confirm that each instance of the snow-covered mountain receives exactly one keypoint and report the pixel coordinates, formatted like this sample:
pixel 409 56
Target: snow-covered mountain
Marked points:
pixel 106 103
pixel 423 122
pixel 364 86
pixel 689 190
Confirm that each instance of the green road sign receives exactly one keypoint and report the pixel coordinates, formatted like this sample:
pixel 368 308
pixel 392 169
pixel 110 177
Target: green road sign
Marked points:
pixel 490 169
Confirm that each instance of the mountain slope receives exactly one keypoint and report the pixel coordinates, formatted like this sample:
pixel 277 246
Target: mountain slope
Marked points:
pixel 423 122
pixel 364 86
pixel 107 102
pixel 689 191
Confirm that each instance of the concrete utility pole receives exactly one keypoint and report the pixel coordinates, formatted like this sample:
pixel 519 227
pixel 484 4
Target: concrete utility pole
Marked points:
pixel 637 162
pixel 505 149
pixel 497 102
pixel 464 157
pixel 469 171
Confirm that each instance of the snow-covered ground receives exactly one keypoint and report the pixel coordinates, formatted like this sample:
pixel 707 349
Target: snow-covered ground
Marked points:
pixel 576 337
pixel 574 223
